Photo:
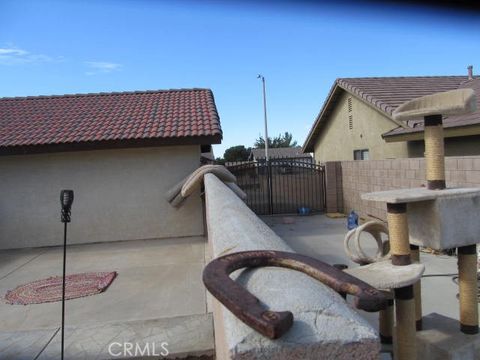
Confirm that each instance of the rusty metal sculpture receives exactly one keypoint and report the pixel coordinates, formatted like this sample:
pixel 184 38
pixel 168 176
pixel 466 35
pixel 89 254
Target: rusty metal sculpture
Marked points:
pixel 274 324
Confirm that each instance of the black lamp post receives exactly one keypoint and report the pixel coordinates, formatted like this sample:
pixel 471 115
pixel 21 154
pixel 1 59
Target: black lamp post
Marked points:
pixel 66 200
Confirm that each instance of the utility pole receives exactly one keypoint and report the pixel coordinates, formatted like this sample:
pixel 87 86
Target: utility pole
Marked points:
pixel 259 76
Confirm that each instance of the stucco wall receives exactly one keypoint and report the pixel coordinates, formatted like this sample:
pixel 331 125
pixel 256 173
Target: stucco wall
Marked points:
pixel 337 141
pixel 456 146
pixel 119 195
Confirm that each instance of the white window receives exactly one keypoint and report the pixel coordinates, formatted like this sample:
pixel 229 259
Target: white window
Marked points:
pixel 361 154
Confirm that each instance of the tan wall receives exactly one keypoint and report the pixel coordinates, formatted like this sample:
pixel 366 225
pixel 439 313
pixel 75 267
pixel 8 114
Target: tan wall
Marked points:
pixel 119 195
pixel 366 176
pixel 457 146
pixel 337 142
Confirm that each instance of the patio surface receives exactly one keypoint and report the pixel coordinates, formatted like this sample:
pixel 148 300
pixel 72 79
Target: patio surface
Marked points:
pixel 322 237
pixel 157 296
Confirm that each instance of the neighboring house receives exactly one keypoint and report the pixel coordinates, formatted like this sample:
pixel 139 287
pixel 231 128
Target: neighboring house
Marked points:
pixel 291 153
pixel 356 119
pixel 119 152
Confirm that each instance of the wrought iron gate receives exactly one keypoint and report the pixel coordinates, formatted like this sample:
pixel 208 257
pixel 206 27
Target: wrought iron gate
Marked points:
pixel 281 185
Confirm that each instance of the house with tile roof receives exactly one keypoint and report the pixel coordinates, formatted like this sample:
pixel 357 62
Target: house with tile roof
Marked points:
pixel 356 120
pixel 119 152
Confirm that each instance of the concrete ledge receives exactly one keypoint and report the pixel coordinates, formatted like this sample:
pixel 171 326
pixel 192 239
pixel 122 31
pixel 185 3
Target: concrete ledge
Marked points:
pixel 325 326
pixel 441 339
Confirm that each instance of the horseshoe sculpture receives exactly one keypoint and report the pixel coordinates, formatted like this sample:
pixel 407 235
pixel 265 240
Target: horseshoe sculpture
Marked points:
pixel 274 324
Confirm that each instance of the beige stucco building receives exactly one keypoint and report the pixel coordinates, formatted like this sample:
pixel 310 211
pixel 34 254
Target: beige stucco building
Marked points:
pixel 119 183
pixel 356 121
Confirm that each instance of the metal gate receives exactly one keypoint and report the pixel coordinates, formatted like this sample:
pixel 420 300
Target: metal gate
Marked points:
pixel 281 185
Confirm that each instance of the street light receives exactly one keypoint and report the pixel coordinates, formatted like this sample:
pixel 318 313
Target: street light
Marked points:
pixel 259 76
pixel 267 159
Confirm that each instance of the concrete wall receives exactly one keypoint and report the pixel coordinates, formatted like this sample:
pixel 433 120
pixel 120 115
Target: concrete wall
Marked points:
pixel 323 322
pixel 119 195
pixel 367 176
pixel 337 141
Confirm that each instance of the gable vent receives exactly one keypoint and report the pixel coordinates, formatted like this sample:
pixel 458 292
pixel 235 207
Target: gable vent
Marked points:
pixel 350 115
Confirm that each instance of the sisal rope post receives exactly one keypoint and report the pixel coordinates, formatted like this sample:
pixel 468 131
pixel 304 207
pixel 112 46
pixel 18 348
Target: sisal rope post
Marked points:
pixel 467 280
pixel 386 323
pixel 434 152
pixel 405 347
pixel 398 234
pixel 405 329
pixel 417 289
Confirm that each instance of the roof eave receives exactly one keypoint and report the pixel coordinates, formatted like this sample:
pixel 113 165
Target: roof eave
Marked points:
pixel 110 144
pixel 308 146
pixel 309 142
pixel 458 131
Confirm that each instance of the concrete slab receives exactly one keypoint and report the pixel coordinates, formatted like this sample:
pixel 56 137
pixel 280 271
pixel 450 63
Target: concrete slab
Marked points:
pixel 11 260
pixel 417 194
pixel 156 279
pixel 24 345
pixel 176 337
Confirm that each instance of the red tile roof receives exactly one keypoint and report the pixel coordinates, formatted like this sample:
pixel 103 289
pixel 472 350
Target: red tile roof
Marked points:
pixel 383 93
pixel 120 119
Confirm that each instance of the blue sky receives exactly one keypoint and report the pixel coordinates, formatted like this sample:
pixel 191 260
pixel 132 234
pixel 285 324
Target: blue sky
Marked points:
pixel 57 47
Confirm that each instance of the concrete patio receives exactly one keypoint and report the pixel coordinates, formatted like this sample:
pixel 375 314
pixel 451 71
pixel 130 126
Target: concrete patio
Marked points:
pixel 322 238
pixel 157 297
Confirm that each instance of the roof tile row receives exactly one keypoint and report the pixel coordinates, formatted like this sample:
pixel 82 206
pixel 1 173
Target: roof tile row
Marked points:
pixel 163 114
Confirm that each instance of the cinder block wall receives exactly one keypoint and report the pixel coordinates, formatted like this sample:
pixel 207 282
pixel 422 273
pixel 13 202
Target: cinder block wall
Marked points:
pixel 358 177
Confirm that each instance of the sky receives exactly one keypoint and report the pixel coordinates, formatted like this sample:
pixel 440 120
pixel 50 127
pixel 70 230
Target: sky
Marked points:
pixel 61 47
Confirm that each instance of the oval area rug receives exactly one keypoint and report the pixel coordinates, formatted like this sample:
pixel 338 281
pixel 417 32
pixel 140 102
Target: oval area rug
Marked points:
pixel 50 289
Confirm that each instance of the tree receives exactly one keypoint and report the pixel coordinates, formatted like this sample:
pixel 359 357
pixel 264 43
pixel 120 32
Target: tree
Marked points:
pixel 279 141
pixel 236 153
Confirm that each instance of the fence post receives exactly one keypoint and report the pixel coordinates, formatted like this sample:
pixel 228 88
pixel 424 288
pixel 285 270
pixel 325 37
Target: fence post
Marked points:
pixel 333 186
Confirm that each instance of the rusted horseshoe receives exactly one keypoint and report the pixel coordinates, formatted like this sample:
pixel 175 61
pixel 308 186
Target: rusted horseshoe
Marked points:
pixel 274 324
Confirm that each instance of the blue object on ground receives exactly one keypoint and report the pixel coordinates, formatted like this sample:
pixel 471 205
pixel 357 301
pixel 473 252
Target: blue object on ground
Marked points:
pixel 303 210
pixel 352 221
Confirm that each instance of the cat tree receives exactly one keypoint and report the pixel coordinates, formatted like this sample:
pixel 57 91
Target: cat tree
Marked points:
pixel 436 217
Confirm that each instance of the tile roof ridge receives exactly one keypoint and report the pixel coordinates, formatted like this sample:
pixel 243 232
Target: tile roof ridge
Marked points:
pixel 112 93
pixel 380 104
pixel 402 77
pixel 365 96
